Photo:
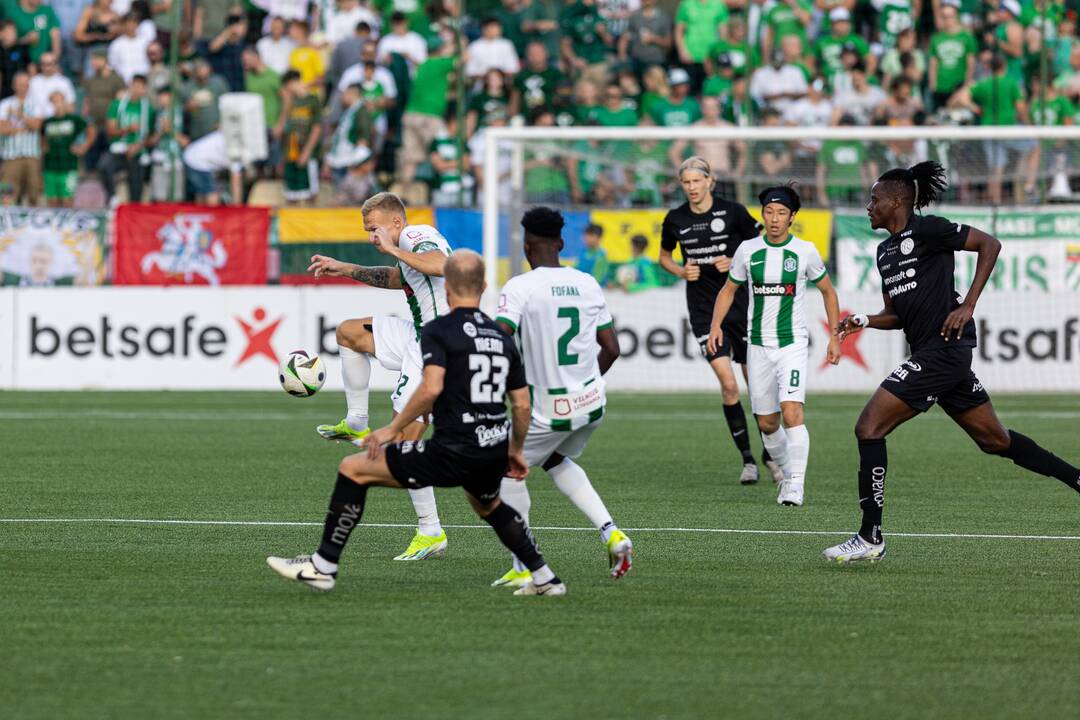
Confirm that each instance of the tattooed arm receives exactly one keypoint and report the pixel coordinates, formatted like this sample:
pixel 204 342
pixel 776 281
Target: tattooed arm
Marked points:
pixel 379 276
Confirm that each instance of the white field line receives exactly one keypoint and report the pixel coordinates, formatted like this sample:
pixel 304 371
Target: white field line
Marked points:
pixel 717 531
pixel 614 416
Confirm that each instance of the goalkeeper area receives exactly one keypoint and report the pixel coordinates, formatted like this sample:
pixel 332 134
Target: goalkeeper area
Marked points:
pixel 161 606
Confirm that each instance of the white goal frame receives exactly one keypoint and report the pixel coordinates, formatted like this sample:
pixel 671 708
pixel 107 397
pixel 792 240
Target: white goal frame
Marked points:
pixel 517 136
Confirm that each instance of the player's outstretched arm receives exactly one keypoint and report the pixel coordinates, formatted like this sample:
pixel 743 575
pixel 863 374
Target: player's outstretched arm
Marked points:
pixel 521 413
pixel 609 348
pixel 428 262
pixel 887 319
pixel 724 299
pixel 378 276
pixel 419 404
pixel 988 247
pixel 832 312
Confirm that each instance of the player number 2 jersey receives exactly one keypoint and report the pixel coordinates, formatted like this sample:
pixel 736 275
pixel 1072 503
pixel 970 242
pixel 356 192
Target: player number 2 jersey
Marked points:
pixel 556 313
pixel 426 294
pixel 776 276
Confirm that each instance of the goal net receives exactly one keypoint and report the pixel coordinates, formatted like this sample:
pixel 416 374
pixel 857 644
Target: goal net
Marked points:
pixel 1020 183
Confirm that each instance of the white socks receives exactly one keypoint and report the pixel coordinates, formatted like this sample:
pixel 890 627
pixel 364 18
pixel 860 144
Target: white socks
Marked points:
pixel 515 493
pixel 323 565
pixel 427 515
pixel 777 445
pixel 543 575
pixel 574 484
pixel 798 447
pixel 356 372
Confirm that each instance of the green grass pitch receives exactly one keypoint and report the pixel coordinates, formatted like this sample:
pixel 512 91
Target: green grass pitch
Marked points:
pixel 124 620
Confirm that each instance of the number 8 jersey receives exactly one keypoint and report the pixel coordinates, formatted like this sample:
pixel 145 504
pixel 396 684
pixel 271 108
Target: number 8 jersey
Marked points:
pixel 556 313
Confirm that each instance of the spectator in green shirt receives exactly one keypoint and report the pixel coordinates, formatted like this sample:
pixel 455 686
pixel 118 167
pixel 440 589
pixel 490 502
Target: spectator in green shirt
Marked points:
pixel 129 122
pixel 640 273
pixel 679 109
pixel 615 112
pixel 540 23
pixel 593 258
pixel 535 85
pixel 698 23
pixel 37 26
pixel 828 48
pixel 423 118
pixel 999 100
pixel 785 17
pixel 60 152
pixel 952 57
pixel 586 41
pixel 843 170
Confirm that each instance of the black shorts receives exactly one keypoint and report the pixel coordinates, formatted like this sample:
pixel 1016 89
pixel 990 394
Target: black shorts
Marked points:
pixel 942 376
pixel 734 344
pixel 425 463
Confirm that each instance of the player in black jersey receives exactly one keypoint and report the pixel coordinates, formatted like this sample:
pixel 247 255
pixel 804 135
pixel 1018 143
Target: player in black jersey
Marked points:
pixel 708 230
pixel 916 266
pixel 470 367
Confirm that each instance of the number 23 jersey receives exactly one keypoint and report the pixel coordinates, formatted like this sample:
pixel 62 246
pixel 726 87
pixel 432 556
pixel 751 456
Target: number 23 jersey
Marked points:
pixel 481 364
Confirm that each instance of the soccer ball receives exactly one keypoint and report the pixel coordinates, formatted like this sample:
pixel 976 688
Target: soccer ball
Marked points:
pixel 301 374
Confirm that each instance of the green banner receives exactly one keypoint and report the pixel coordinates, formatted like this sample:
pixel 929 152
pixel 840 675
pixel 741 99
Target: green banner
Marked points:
pixel 1040 248
pixel 41 247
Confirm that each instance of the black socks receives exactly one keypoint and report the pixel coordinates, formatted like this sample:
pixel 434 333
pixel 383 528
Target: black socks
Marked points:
pixel 515 535
pixel 346 507
pixel 873 462
pixel 736 421
pixel 1026 453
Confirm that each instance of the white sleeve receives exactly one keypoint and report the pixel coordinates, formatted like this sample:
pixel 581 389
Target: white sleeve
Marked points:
pixel 738 265
pixel 815 266
pixel 604 319
pixel 512 302
pixel 422 239
pixel 512 64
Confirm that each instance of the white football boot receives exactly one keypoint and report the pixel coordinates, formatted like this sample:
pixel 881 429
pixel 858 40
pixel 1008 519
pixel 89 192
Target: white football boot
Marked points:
pixel 791 492
pixel 555 587
pixel 749 474
pixel 302 570
pixel 855 550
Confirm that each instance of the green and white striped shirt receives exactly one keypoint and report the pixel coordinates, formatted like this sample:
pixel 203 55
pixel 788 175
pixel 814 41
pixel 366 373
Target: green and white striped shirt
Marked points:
pixel 777 277
pixel 26 143
pixel 426 294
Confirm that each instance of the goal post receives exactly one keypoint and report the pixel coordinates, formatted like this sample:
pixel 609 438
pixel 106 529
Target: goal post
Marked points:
pixel 972 154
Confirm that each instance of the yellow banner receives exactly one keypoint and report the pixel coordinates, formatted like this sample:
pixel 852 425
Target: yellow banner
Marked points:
pixel 811 225
pixel 621 225
pixel 301 225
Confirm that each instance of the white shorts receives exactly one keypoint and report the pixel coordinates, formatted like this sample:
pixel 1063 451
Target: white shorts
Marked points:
pixel 541 442
pixel 776 375
pixel 396 348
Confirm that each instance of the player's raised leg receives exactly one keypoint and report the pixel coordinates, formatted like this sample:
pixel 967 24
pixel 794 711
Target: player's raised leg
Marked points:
pixel 356 346
pixel 883 413
pixel 981 423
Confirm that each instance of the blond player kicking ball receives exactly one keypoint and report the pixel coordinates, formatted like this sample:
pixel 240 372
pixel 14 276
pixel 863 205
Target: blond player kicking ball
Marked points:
pixel 568 342
pixel 776 268
pixel 420 253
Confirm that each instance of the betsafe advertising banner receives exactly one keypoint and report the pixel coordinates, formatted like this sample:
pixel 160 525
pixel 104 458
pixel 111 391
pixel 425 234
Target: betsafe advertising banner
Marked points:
pixel 175 244
pixel 1040 249
pixel 233 338
pixel 43 247
pixel 179 338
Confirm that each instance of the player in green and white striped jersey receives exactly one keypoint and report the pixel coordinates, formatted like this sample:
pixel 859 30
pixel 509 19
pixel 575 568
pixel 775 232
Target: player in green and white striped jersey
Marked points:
pixel 421 252
pixel 568 342
pixel 776 268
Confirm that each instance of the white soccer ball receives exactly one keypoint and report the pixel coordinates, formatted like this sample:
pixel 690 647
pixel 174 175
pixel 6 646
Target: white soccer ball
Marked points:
pixel 301 374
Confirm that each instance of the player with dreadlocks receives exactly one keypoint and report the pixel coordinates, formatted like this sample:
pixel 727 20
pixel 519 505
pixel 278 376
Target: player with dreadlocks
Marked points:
pixel 916 266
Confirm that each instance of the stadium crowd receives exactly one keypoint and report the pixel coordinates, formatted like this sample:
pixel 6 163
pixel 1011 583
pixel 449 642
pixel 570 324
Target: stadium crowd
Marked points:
pixel 363 92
